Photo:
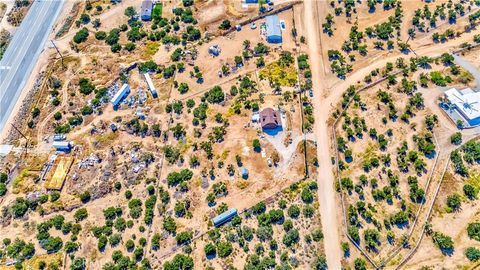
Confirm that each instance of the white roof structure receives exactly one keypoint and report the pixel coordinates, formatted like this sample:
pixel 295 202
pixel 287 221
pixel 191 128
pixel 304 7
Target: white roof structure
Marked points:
pixel 5 149
pixel 466 101
pixel 152 88
pixel 121 93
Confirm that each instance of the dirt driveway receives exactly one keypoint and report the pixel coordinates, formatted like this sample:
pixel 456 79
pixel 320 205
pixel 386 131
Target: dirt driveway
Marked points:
pixel 326 191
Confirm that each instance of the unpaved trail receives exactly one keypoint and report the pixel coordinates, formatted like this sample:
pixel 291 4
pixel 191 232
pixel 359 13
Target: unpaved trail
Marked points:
pixel 49 117
pixel 326 192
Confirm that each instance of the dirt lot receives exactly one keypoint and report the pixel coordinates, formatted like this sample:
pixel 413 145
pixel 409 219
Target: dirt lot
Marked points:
pixel 124 151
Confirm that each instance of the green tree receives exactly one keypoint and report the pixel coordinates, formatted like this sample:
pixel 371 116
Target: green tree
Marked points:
pixel 80 214
pixel 179 262
pixel 130 12
pixel 473 231
pixel 224 249
pixel 442 241
pixel 225 25
pixel 472 254
pixel 360 264
pixel 210 249
pixel 79 263
pixel 320 263
pixel 456 138
pixel 454 201
pixel 256 145
pixel 81 35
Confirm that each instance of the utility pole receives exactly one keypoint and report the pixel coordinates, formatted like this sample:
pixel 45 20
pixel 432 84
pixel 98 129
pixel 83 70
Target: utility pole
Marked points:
pixel 58 51
pixel 23 135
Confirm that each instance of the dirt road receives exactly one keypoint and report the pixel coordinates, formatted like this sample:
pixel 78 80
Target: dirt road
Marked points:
pixel 326 191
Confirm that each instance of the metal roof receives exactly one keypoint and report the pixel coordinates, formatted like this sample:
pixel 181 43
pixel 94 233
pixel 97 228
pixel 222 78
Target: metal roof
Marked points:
pixel 146 9
pixel 121 93
pixel 466 101
pixel 224 217
pixel 273 26
pixel 152 88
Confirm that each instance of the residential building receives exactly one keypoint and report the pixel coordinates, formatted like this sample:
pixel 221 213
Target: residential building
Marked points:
pixel 274 30
pixel 146 10
pixel 270 119
pixel 466 102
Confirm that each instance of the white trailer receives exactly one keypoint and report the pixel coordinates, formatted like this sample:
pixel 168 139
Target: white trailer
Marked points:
pixel 150 85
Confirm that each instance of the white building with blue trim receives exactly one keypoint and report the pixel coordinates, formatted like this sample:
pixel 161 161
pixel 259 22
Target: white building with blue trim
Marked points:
pixel 274 29
pixel 466 102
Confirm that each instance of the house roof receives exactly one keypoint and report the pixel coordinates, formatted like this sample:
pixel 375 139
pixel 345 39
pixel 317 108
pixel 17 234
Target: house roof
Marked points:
pixel 147 6
pixel 270 118
pixel 466 101
pixel 273 26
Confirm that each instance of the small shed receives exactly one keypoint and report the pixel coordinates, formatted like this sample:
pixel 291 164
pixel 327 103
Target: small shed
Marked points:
pixel 146 10
pixel 244 172
pixel 255 117
pixel 224 217
pixel 59 137
pixel 274 30
pixel 214 50
pixel 270 119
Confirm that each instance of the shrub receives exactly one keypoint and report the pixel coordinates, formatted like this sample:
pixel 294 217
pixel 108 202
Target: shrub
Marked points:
pixel 180 261
pixel 291 237
pixel 294 211
pixel 442 241
pixel 454 201
pixel 224 249
pixel 456 138
pixel 472 254
pixel 85 197
pixel 19 207
pixel 183 237
pixel 225 25
pixel 81 35
pixel 100 35
pixel 80 214
pixel 473 231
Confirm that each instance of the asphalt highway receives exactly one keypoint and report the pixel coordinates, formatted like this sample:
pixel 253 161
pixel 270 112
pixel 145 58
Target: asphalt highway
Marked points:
pixel 23 51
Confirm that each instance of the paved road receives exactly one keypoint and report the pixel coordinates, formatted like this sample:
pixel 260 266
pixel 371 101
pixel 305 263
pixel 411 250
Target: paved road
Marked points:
pixel 23 52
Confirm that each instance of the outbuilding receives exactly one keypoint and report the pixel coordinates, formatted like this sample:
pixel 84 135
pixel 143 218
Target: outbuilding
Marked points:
pixel 270 119
pixel 244 172
pixel 151 87
pixel 224 217
pixel 62 146
pixel 120 95
pixel 146 10
pixel 274 30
